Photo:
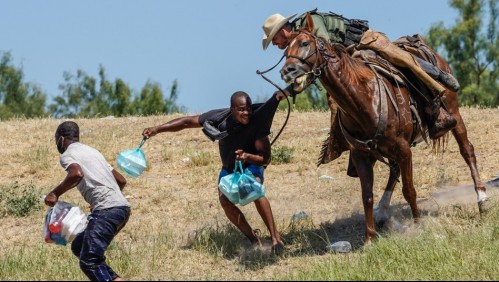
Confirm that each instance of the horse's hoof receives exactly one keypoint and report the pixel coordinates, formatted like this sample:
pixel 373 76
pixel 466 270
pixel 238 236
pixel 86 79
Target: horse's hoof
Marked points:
pixel 484 205
pixel 277 249
pixel 382 222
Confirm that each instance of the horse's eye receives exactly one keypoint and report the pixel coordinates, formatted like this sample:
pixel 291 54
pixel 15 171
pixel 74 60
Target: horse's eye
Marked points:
pixel 305 44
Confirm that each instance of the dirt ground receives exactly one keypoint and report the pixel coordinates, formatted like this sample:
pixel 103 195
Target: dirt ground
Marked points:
pixel 177 196
pixel 329 198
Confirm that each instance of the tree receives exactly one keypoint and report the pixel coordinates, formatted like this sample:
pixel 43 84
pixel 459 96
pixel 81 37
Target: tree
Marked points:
pixel 471 50
pixel 152 102
pixel 77 93
pixel 81 96
pixel 151 99
pixel 120 99
pixel 171 105
pixel 18 98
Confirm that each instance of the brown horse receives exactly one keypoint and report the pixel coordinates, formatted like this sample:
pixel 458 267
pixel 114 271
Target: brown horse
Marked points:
pixel 375 117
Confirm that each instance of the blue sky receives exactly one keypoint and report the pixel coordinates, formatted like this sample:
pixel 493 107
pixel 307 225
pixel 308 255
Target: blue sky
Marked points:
pixel 212 48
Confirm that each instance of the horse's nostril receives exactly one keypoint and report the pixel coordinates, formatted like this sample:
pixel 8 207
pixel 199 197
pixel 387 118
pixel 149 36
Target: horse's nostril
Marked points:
pixel 288 69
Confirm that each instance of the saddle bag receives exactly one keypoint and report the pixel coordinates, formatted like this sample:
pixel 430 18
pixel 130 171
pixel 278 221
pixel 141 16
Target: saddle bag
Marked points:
pixel 354 30
pixel 338 28
pixel 415 45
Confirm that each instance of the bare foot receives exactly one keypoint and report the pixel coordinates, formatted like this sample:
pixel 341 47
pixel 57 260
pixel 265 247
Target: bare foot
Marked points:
pixel 277 249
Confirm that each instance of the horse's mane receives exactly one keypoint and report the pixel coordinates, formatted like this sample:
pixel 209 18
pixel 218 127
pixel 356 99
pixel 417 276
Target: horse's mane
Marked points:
pixel 355 71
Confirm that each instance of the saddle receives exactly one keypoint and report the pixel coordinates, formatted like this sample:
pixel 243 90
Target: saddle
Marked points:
pixel 335 143
pixel 415 45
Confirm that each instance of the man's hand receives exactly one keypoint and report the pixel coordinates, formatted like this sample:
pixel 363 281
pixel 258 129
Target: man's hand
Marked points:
pixel 51 199
pixel 149 132
pixel 241 155
pixel 279 95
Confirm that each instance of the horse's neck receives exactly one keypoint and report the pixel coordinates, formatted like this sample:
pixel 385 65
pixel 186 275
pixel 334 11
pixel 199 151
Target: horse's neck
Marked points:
pixel 355 97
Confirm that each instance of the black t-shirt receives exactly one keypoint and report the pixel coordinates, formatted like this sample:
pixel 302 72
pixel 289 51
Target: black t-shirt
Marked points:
pixel 241 136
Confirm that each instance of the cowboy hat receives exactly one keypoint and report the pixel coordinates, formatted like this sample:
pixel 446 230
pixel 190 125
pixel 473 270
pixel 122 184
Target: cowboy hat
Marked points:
pixel 271 26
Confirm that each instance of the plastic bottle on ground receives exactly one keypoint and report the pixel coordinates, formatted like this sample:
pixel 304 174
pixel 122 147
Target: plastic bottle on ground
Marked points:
pixel 341 247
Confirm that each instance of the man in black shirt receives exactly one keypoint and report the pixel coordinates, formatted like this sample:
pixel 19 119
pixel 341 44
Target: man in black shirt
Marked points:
pixel 242 132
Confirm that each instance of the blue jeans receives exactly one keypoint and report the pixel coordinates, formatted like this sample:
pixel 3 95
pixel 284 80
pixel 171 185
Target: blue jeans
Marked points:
pixel 90 245
pixel 256 170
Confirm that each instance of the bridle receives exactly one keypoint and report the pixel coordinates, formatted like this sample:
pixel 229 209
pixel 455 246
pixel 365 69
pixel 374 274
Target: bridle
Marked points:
pixel 320 48
pixel 316 72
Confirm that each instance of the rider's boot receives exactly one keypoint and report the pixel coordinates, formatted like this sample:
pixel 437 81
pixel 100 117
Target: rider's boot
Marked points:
pixel 442 125
pixel 448 80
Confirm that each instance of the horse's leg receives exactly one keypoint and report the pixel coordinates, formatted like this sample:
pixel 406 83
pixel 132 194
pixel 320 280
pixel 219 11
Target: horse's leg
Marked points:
pixel 466 149
pixel 405 164
pixel 364 165
pixel 338 144
pixel 381 211
pixel 468 153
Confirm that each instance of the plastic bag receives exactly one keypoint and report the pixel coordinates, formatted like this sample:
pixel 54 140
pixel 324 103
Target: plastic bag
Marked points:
pixel 241 187
pixel 132 162
pixel 63 222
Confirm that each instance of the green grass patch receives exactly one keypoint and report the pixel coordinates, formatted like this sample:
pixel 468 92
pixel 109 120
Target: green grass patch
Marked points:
pixel 19 200
pixel 282 154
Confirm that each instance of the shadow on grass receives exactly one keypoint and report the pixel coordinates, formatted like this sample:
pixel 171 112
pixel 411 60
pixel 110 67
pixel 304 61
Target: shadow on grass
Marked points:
pixel 304 238
pixel 301 238
pixel 228 242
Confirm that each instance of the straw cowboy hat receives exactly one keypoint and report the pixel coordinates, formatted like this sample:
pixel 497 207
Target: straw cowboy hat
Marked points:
pixel 271 26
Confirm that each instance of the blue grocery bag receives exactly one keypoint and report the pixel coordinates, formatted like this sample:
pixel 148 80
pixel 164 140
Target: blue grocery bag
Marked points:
pixel 241 187
pixel 132 162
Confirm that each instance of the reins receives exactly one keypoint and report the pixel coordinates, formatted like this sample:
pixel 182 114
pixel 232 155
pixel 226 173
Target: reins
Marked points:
pixel 315 71
pixel 280 89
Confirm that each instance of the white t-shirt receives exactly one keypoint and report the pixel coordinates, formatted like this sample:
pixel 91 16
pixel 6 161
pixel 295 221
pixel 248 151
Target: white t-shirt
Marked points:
pixel 98 186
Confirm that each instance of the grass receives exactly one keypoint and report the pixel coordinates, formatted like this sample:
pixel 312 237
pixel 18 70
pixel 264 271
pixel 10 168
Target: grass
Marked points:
pixel 440 251
pixel 18 200
pixel 178 231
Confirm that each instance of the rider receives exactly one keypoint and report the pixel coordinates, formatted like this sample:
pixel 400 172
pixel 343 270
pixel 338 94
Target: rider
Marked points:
pixel 356 33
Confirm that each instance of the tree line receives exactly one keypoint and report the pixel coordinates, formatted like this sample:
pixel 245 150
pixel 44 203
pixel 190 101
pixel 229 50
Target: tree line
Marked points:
pixel 82 96
pixel 470 46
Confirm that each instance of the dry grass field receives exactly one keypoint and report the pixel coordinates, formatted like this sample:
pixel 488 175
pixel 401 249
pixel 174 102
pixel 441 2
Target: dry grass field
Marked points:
pixel 175 200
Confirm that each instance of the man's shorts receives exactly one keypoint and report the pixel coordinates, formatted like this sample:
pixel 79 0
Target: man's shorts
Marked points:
pixel 256 170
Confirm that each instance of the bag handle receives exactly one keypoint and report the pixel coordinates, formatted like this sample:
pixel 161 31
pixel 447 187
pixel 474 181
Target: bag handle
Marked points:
pixel 141 143
pixel 239 165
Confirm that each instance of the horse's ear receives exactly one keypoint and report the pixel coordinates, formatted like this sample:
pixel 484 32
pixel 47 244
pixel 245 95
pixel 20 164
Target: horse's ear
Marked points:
pixel 310 23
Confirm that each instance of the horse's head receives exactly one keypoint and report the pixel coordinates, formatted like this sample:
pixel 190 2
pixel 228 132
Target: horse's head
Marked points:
pixel 303 59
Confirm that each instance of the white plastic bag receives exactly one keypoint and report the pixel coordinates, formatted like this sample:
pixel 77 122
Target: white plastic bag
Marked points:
pixel 63 222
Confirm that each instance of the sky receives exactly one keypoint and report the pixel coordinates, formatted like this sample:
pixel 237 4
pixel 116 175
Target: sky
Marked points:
pixel 213 48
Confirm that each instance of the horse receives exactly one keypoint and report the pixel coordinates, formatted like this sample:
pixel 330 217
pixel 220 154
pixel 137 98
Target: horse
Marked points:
pixel 375 116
